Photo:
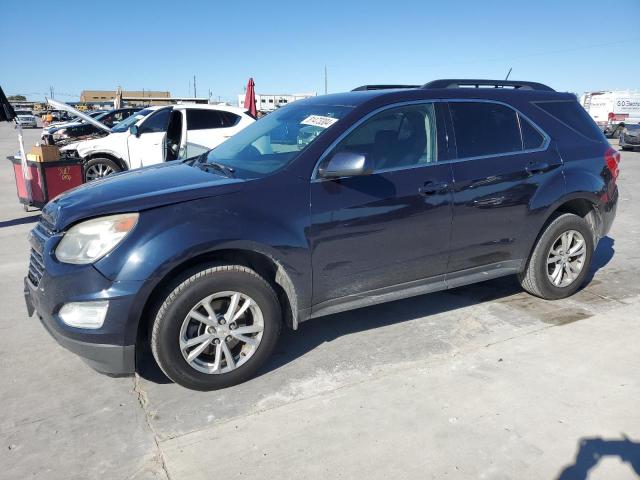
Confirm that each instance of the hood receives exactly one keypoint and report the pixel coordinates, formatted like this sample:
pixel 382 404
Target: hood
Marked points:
pixel 137 190
pixel 86 118
pixel 60 126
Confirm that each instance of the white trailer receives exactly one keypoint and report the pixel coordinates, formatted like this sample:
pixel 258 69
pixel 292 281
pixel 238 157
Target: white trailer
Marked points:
pixel 612 109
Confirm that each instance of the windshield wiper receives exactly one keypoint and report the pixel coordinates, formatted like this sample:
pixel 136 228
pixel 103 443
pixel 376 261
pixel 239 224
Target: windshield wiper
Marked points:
pixel 226 171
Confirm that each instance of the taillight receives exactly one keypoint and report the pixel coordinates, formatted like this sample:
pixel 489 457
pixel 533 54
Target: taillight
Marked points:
pixel 612 159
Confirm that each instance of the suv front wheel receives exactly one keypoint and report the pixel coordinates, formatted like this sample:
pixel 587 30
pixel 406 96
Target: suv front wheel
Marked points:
pixel 100 167
pixel 216 328
pixel 560 260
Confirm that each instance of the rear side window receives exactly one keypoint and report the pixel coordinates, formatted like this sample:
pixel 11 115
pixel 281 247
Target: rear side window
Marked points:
pixel 531 138
pixel 201 119
pixel 485 129
pixel 229 119
pixel 573 116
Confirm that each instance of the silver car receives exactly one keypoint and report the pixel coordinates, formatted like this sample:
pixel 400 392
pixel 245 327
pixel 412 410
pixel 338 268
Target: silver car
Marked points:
pixel 26 119
pixel 630 137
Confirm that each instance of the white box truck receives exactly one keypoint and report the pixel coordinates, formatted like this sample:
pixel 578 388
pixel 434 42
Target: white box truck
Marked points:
pixel 612 109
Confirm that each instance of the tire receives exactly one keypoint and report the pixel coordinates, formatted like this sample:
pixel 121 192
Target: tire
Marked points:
pixel 538 274
pixel 174 325
pixel 100 167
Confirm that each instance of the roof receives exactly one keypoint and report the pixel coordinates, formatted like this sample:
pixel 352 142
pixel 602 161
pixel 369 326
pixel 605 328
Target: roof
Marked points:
pixel 202 106
pixel 441 89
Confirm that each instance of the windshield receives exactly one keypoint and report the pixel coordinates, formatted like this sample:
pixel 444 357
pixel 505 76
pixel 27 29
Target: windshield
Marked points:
pixel 124 125
pixel 276 139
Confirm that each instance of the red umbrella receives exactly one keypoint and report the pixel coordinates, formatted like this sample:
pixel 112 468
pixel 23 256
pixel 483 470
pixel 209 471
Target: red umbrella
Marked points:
pixel 250 99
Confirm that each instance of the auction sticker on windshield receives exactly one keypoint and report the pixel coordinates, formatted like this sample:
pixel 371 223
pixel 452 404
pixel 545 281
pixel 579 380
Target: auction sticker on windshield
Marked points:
pixel 319 121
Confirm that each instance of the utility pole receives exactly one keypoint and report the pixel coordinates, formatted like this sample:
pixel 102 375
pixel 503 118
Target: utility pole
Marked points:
pixel 325 79
pixel 209 95
pixel 51 95
pixel 194 87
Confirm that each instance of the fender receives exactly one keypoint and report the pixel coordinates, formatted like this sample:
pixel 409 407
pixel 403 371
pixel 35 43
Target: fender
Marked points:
pixel 162 246
pixel 110 156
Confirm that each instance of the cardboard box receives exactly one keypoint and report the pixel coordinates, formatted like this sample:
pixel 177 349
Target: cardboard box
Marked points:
pixel 44 153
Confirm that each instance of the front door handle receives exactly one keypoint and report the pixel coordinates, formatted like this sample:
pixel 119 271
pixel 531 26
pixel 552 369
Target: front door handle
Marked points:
pixel 431 188
pixel 537 167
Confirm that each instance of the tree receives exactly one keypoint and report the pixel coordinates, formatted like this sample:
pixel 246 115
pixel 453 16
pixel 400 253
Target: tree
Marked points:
pixel 17 98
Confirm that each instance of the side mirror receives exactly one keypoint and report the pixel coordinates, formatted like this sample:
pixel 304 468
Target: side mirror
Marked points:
pixel 133 129
pixel 346 164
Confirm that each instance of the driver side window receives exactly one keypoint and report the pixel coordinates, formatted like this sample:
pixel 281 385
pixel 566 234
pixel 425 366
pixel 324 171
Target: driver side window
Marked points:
pixel 401 137
pixel 157 122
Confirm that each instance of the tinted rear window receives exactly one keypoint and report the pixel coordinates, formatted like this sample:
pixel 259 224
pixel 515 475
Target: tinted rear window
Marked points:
pixel 229 119
pixel 201 119
pixel 485 129
pixel 573 116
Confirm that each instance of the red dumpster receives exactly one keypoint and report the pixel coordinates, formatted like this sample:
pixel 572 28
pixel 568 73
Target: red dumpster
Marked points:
pixel 48 179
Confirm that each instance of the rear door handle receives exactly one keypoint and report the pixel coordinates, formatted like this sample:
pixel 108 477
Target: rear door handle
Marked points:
pixel 431 188
pixel 537 167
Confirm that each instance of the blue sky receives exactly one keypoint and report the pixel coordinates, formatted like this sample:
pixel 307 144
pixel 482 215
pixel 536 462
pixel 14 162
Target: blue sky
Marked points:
pixel 284 45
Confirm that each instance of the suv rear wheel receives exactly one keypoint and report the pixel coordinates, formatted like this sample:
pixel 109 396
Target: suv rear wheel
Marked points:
pixel 100 167
pixel 561 258
pixel 216 328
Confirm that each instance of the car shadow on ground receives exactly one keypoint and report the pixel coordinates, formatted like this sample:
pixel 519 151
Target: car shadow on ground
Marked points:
pixel 311 334
pixel 592 450
pixel 19 221
pixel 603 254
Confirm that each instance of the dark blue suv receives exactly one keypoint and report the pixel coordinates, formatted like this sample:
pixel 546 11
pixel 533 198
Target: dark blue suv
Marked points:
pixel 325 205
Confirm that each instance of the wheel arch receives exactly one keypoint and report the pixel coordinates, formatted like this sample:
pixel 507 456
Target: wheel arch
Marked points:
pixel 583 204
pixel 123 165
pixel 265 265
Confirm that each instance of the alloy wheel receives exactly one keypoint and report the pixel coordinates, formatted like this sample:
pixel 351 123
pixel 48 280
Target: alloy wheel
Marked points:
pixel 98 170
pixel 566 258
pixel 221 332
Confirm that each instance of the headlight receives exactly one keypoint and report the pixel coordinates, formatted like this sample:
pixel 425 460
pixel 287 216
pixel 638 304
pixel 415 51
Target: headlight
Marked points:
pixel 61 133
pixel 88 241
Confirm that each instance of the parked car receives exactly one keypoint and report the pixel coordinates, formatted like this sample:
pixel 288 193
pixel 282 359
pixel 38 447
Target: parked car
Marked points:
pixel 71 119
pixel 26 119
pixel 401 192
pixel 64 133
pixel 157 134
pixel 630 137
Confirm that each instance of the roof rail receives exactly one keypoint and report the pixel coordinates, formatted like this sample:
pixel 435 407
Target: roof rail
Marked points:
pixel 462 82
pixel 382 87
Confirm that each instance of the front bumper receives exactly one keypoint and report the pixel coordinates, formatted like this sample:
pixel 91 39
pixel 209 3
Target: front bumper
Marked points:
pixel 109 349
pixel 104 358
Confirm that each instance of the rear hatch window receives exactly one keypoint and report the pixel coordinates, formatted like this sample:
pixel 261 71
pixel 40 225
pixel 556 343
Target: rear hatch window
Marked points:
pixel 572 115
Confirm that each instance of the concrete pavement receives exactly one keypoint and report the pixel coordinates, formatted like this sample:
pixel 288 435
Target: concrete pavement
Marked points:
pixel 482 381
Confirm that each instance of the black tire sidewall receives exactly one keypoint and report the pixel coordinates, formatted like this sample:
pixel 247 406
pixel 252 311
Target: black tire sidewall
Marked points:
pixel 556 228
pixel 167 347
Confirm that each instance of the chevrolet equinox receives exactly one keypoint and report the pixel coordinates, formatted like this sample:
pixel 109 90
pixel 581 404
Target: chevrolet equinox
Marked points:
pixel 328 204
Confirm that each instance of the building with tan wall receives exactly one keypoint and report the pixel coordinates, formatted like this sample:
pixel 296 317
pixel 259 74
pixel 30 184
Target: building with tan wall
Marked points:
pixel 137 96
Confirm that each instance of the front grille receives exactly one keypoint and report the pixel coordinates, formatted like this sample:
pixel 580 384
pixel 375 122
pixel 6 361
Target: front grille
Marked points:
pixel 37 237
pixel 36 268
